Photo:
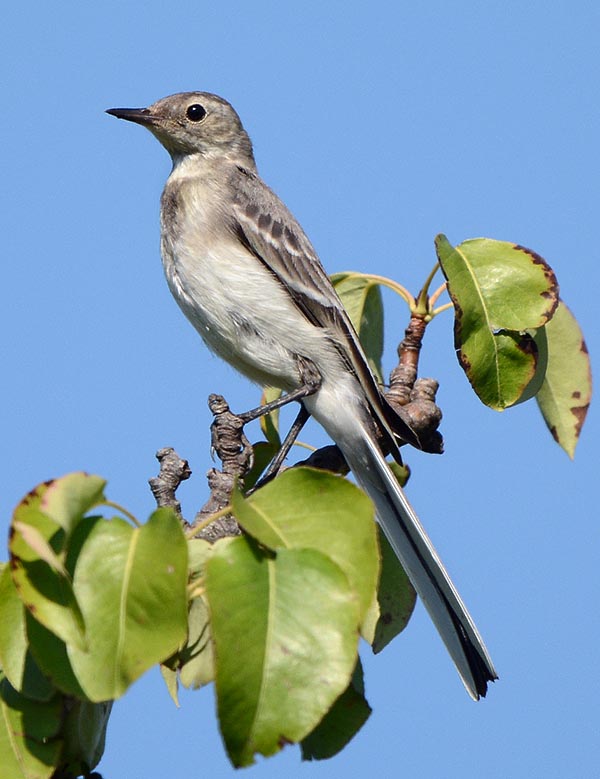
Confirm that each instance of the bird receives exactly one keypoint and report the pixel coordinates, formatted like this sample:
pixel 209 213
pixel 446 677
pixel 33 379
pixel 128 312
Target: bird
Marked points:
pixel 248 279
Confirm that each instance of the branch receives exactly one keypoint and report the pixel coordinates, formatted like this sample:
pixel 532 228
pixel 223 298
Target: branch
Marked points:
pixel 232 447
pixel 416 397
pixel 413 398
pixel 173 470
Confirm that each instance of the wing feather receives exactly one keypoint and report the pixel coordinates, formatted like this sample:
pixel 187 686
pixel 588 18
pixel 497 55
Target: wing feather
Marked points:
pixel 269 230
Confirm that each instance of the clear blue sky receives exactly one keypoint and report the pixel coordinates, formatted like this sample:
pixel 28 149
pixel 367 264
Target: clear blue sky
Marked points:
pixel 380 124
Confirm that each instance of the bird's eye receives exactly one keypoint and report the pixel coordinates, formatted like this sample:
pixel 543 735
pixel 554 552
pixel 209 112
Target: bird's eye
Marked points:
pixel 196 112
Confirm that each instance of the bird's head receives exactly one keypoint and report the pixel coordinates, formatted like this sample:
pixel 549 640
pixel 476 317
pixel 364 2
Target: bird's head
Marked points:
pixel 193 123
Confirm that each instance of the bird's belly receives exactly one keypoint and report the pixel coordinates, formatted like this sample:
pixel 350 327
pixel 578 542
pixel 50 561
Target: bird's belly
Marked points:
pixel 243 312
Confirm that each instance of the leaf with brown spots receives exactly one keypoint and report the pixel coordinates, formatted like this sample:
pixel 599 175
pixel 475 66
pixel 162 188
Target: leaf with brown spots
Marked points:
pixel 565 395
pixel 38 567
pixel 502 294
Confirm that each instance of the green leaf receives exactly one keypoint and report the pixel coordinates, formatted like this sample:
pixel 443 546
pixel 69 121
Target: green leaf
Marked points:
pixel 285 630
pixel 39 546
pixel 67 499
pixel 341 723
pixel 501 293
pixel 195 660
pixel 565 395
pixel 534 386
pixel 269 423
pixel 15 658
pixel 394 602
pixel 169 676
pixel 131 585
pixel 29 748
pixel 45 589
pixel 264 452
pixel 362 300
pixel 401 472
pixel 199 550
pixel 84 734
pixel 50 654
pixel 305 508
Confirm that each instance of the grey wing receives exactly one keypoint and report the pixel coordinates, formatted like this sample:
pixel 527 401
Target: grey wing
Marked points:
pixel 269 230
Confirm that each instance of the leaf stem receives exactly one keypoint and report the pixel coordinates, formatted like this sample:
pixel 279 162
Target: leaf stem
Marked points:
pixel 302 445
pixel 385 282
pixel 111 504
pixel 423 304
pixel 439 310
pixel 435 295
pixel 431 276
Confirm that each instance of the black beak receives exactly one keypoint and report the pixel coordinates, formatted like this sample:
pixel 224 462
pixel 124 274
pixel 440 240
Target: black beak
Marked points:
pixel 138 115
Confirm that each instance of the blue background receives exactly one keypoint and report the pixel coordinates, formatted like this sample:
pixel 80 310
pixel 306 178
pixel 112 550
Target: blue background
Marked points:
pixel 380 124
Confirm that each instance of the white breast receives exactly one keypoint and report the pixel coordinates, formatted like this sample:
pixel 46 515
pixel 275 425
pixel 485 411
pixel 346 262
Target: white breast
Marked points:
pixel 239 308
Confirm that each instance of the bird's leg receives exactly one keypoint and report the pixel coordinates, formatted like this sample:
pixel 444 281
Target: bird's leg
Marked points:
pixel 311 382
pixel 287 444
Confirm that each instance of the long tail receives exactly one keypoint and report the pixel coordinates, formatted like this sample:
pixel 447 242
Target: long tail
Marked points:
pixel 423 567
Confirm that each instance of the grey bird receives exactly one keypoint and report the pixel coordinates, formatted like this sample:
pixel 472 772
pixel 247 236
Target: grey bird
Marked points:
pixel 246 276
